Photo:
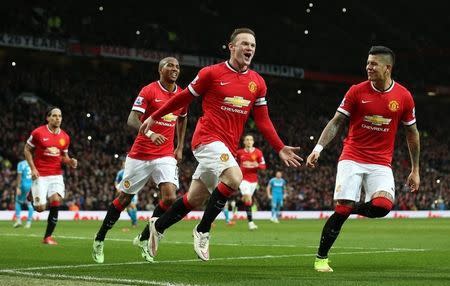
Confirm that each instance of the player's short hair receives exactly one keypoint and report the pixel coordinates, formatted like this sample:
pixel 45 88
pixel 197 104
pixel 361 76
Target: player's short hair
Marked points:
pixel 241 31
pixel 49 110
pixel 164 61
pixel 382 50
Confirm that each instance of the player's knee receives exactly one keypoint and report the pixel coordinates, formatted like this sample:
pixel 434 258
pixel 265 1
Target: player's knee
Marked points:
pixel 125 199
pixel 344 210
pixel 169 199
pixel 232 177
pixel 380 206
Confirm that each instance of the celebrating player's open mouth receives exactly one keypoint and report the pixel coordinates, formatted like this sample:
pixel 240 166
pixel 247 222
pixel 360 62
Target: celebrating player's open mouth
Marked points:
pixel 248 57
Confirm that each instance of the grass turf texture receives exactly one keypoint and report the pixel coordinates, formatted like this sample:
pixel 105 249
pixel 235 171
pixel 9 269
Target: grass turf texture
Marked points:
pixel 368 252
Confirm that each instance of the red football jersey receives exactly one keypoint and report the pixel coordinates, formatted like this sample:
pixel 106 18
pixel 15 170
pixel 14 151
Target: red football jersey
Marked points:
pixel 247 159
pixel 49 148
pixel 228 97
pixel 374 119
pixel 150 98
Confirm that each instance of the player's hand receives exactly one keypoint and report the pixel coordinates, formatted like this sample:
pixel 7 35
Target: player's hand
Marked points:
pixel 18 191
pixel 312 159
pixel 73 163
pixel 34 174
pixel 178 153
pixel 145 127
pixel 413 181
pixel 289 157
pixel 269 196
pixel 157 138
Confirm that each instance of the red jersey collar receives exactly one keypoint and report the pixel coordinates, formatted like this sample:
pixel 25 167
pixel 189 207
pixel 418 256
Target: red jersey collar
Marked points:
pixel 164 89
pixel 383 91
pixel 49 130
pixel 233 69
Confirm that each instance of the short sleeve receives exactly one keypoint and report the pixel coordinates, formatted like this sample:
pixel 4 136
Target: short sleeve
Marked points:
pixel 141 102
pixel 409 112
pixel 261 158
pixel 33 139
pixel 65 148
pixel 201 82
pixel 347 105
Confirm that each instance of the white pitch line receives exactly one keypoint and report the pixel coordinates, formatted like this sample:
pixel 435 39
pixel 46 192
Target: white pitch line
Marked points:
pixel 197 260
pixel 165 242
pixel 96 279
pixel 221 244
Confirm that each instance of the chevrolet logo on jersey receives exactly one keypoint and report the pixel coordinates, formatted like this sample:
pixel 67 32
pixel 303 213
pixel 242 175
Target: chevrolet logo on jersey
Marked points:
pixel 237 101
pixel 169 117
pixel 377 120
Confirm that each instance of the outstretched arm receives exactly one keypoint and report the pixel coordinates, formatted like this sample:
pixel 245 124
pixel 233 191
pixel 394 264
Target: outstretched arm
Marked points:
pixel 330 131
pixel 265 126
pixel 181 132
pixel 413 141
pixel 182 99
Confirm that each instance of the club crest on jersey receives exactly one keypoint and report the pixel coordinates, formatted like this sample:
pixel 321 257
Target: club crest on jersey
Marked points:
pixel 224 157
pixel 138 100
pixel 253 157
pixel 252 87
pixel 393 105
pixel 62 141
pixel 377 120
pixel 237 101
pixel 169 117
pixel 126 184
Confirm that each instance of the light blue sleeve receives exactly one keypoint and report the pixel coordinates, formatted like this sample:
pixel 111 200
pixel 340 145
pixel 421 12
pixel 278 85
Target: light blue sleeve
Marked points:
pixel 20 167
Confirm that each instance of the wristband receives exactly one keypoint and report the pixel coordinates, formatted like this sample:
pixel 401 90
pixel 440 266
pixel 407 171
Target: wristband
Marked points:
pixel 318 148
pixel 149 133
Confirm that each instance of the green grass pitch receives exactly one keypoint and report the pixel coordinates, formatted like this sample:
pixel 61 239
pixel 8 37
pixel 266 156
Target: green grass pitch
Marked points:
pixel 368 252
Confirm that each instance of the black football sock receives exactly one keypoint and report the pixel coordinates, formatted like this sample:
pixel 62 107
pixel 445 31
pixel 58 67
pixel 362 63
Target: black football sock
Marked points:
pixel 248 209
pixel 214 207
pixel 362 209
pixel 51 220
pixel 330 232
pixel 174 214
pixel 157 212
pixel 112 215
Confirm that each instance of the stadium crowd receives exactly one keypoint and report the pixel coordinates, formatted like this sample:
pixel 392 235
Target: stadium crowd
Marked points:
pixel 96 98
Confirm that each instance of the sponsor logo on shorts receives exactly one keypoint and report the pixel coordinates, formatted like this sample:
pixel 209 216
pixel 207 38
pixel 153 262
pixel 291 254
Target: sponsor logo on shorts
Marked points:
pixel 224 157
pixel 36 200
pixel 393 105
pixel 126 184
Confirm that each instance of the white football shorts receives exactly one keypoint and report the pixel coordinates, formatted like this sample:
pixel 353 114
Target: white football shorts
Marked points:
pixel 138 172
pixel 213 158
pixel 44 187
pixel 247 188
pixel 351 176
